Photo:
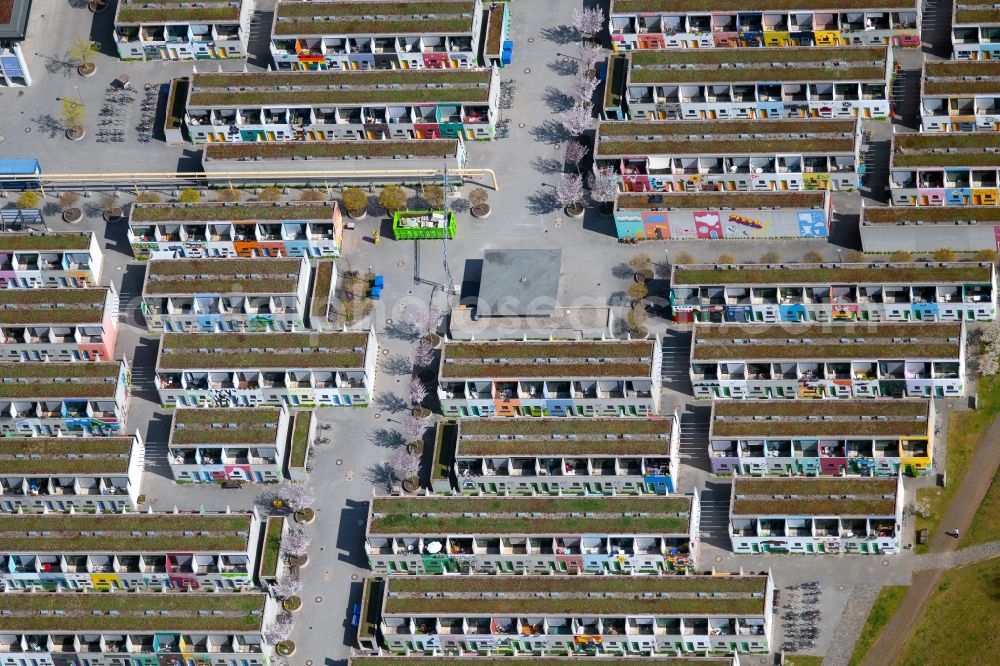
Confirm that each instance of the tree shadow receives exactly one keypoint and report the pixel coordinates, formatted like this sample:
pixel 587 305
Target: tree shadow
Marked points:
pixel 397 364
pixel 556 100
pixel 50 208
pixel 401 330
pixel 387 439
pixel 618 299
pixel 380 476
pixel 49 125
pixel 542 202
pixel 623 271
pixel 561 34
pixel 546 165
pixel 550 131
pixel 567 67
pixel 58 66
pixel 390 402
pixel 460 205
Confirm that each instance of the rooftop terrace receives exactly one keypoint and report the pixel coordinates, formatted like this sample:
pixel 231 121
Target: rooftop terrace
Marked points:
pixel 418 148
pixel 930 214
pixel 36 380
pixel 424 17
pixel 173 11
pixel 962 77
pixel 530 515
pixel 278 351
pixel 814 497
pixel 51 456
pixel 830 274
pixel 612 358
pixel 820 418
pixel 241 276
pixel 236 426
pixel 52 306
pixel 322 286
pixel 220 213
pixel 539 661
pixel 126 533
pixel 959 149
pixel 720 201
pixel 53 242
pixel 722 6
pixel 976 13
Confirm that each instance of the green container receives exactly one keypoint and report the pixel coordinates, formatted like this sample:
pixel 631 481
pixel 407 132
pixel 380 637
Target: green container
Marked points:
pixel 417 225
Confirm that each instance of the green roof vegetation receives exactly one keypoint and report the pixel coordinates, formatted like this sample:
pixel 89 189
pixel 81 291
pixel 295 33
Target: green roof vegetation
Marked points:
pixel 466 359
pixel 815 274
pixel 222 276
pixel 322 286
pixel 715 200
pixel 272 547
pixel 179 351
pixel 713 146
pixel 494 29
pixel 138 533
pixel 92 380
pixel 445 440
pixel 826 352
pixel 417 94
pixel 40 306
pixel 704 6
pixel 977 16
pixel 553 371
pixel 845 428
pixel 928 330
pixel 754 496
pixel 536 661
pixel 615 85
pixel 813 507
pixel 378 7
pixel 393 18
pixel 510 515
pixel 176 99
pixel 246 433
pixel 947 77
pixel 758 56
pixel 564 426
pixel 300 438
pixel 169 612
pixel 564 447
pixel 242 417
pixel 241 213
pixel 421 594
pixel 929 214
pixel 423 148
pixel 836 408
pixel 682 128
pixel 68 241
pixel 383 27
pixel 352 78
pixel 813 486
pixel 128 14
pixel 562 350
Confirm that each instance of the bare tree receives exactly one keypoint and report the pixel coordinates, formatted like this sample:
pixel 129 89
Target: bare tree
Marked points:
pixel 280 629
pixel 413 427
pixel 603 187
pixel 578 119
pixel 588 21
pixel 584 86
pixel 422 355
pixel 299 497
pixel 287 586
pixel 417 391
pixel 406 465
pixel 576 152
pixel 569 191
pixel 296 542
pixel 590 54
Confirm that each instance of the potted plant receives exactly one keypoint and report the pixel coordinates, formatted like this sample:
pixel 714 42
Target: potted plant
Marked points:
pixel 285 648
pixel 392 198
pixel 82 52
pixel 643 267
pixel 569 194
pixel 299 498
pixel 295 546
pixel 434 196
pixel 189 195
pixel 355 202
pixel 478 197
pixel 292 603
pixel 28 199
pixel 109 204
pixel 73 111
pixel 270 194
pixel 406 468
pixel 97 6
pixel 70 213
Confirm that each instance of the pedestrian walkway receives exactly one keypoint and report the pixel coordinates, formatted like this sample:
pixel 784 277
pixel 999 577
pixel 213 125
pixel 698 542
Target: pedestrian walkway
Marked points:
pixel 852 621
pixel 958 558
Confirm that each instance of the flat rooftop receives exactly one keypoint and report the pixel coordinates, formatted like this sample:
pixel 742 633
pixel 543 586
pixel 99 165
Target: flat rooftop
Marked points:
pixel 917 215
pixel 722 6
pixel 172 11
pixel 323 284
pixel 719 200
pixel 563 322
pixel 570 595
pixel 724 137
pixel 946 149
pixel 844 497
pixel 256 212
pixel 47 242
pixel 411 17
pixel 539 661
pixel 825 342
pixel 60 380
pixel 125 533
pixel 333 150
pixel 14 19
pixel 848 419
pixel 410 86
pixel 564 437
pixel 262 351
pixel 611 358
pixel 760 65
pixel 931 274
pixel 27 307
pixel 962 77
pixel 519 282
pixel 66 456
pixel 251 426
pixel 248 277
pixel 500 516
pixel 103 612
pixel 975 13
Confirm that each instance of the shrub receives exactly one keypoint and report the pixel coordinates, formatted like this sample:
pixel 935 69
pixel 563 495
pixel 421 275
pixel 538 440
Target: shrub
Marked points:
pixel 434 196
pixel 229 194
pixel 28 199
pixel 812 257
pixel 189 196
pixel 148 197
pixel 943 254
pixel 312 195
pixel 68 200
pixel 638 291
pixel 270 194
pixel 683 258
pixel 355 200
pixel 901 256
pixel 392 198
pixel 985 255
pixel 771 257
pixel 726 258
pixel 478 196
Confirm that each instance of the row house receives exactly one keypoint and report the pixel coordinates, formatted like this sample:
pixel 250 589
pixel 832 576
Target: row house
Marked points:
pixel 60 259
pixel 658 24
pixel 945 169
pixel 213 445
pixel 132 552
pixel 213 295
pixel 975 30
pixel 829 360
pixel 266 369
pixel 747 293
pixel 536 378
pixel 104 629
pixel 376 34
pixel 326 106
pixel 595 456
pixel 725 215
pixel 848 515
pixel 168 30
pixel 960 96
pixel 51 398
pixel 579 615
pixel 729 156
pixel 13 30
pixel 58 324
pixel 91 474
pixel 532 535
pixel 541 661
pixel 821 437
pixel 926 229
pixel 196 231
pixel 264 158
pixel 734 84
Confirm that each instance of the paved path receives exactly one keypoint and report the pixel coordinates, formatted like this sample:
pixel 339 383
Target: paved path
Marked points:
pixel 958 558
pixel 859 605
pixel 959 516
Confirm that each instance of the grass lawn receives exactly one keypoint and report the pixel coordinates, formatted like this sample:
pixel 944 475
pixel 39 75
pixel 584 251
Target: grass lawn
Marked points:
pixel 889 598
pixel 965 434
pixel 803 660
pixel 949 632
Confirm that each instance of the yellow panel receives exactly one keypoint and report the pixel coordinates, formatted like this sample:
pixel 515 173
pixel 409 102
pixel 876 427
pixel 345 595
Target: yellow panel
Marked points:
pixel 776 38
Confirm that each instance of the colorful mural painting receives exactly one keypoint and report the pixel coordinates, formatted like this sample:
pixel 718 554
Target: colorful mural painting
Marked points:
pixel 726 224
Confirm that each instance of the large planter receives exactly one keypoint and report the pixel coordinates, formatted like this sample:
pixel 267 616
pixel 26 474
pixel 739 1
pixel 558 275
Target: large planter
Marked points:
pixel 285 649
pixel 72 215
pixel 299 561
pixel 481 211
pixel 97 6
pixel 292 604
pixel 75 133
pixel 87 70
pixel 432 340
pixel 576 210
pixel 421 412
pixel 411 485
pixel 415 447
pixel 113 214
pixel 357 216
pixel 305 516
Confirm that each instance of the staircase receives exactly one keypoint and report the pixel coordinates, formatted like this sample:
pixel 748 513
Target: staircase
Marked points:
pixel 259 41
pixel 714 524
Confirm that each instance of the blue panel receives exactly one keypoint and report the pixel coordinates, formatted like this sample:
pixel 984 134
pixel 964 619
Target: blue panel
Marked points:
pixel 659 484
pixel 958 196
pixel 739 313
pixel 792 312
pixel 924 308
pixel 297 248
pixel 559 407
pixel 812 224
